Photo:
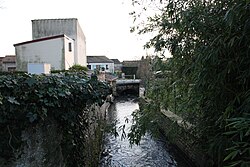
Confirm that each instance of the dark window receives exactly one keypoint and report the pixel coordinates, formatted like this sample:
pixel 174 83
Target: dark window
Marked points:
pixel 107 67
pixel 11 68
pixel 70 47
pixel 89 67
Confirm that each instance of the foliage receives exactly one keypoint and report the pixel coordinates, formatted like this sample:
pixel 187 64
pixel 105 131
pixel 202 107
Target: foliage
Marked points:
pixel 78 67
pixel 74 68
pixel 58 71
pixel 144 120
pixel 207 79
pixel 11 72
pixel 26 100
pixel 239 131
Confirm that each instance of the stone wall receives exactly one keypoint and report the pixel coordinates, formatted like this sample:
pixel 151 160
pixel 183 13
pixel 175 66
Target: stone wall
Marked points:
pixel 41 146
pixel 180 134
pixel 42 143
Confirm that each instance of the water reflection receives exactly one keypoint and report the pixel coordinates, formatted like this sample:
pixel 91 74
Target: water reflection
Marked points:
pixel 119 153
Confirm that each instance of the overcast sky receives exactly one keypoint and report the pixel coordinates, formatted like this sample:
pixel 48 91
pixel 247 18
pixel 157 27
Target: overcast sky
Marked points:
pixel 105 23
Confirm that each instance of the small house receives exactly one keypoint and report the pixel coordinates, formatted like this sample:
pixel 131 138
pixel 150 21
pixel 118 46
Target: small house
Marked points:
pixel 55 50
pixel 100 63
pixel 117 65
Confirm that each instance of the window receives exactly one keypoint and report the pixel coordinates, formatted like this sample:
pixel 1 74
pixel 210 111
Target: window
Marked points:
pixel 98 67
pixel 70 47
pixel 107 67
pixel 89 67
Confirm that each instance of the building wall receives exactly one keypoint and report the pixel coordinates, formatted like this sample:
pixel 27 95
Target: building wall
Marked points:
pixel 70 27
pixel 1 63
pixel 118 67
pixel 8 63
pixel 81 46
pixel 110 66
pixel 53 51
pixel 8 66
pixel 69 59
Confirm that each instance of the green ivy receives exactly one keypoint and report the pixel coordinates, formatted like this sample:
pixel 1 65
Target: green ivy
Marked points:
pixel 27 99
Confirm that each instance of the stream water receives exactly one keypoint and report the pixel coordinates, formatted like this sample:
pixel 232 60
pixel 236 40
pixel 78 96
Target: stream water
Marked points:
pixel 119 153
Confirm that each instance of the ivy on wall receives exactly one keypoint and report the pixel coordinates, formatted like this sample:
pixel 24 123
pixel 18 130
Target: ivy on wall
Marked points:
pixel 26 100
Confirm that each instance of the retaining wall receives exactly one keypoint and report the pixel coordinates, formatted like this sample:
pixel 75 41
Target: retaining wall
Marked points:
pixel 41 144
pixel 180 134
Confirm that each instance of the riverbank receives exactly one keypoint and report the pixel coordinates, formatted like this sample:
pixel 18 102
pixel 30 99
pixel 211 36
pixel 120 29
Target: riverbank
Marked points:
pixel 178 133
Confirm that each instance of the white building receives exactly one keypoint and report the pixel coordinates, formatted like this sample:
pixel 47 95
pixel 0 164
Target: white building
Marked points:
pixel 50 27
pixel 100 63
pixel 55 50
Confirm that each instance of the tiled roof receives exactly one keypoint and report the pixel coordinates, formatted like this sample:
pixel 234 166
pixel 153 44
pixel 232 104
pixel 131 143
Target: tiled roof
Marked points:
pixel 98 59
pixel 9 59
pixel 116 61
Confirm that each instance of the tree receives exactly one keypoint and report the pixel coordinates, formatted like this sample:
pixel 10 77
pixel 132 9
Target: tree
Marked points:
pixel 78 67
pixel 210 44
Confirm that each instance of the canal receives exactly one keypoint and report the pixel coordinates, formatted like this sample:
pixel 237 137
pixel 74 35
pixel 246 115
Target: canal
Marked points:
pixel 119 153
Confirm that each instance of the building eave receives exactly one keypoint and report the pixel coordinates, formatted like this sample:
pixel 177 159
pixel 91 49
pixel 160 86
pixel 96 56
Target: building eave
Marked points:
pixel 42 39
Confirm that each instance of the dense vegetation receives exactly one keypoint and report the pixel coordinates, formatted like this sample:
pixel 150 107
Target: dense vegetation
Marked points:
pixel 207 80
pixel 78 67
pixel 26 100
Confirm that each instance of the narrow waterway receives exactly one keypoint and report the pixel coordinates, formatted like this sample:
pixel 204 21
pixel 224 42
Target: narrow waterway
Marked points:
pixel 118 152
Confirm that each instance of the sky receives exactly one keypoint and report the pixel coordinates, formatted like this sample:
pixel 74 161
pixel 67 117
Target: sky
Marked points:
pixel 105 23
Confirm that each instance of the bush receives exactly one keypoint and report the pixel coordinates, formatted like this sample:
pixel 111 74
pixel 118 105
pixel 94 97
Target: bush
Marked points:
pixel 78 67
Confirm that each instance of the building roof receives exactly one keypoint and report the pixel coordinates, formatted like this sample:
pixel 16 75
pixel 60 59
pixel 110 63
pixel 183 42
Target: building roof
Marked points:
pixel 42 39
pixel 98 59
pixel 116 61
pixel 57 19
pixel 9 59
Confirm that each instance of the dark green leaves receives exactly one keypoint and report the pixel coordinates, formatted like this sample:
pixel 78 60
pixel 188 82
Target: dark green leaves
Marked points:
pixel 207 79
pixel 12 100
pixel 26 100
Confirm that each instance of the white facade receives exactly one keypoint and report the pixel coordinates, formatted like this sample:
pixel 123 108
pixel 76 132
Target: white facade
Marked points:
pixel 54 50
pixel 70 27
pixel 107 67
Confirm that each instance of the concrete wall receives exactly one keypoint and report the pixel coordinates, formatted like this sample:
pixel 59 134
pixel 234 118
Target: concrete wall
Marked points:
pixel 180 134
pixel 70 27
pixel 69 55
pixel 53 51
pixel 130 88
pixel 80 46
